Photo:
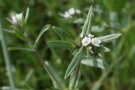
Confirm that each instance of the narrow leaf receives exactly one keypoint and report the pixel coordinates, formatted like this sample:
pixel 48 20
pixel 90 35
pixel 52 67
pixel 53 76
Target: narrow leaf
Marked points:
pixel 74 78
pixel 19 48
pixel 110 37
pixel 27 14
pixel 20 35
pixel 43 30
pixel 58 82
pixel 59 44
pixel 75 62
pixel 95 63
pixel 61 33
pixel 87 24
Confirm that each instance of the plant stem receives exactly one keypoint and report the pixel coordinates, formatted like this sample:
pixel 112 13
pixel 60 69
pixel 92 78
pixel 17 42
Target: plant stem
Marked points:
pixel 42 61
pixel 7 58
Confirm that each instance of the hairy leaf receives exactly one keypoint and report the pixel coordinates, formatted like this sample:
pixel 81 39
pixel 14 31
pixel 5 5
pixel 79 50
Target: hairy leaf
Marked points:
pixel 75 62
pixel 61 33
pixel 110 37
pixel 58 82
pixel 87 24
pixel 95 63
pixel 43 30
pixel 74 78
pixel 59 44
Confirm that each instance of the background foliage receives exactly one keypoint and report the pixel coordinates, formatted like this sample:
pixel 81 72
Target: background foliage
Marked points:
pixel 110 16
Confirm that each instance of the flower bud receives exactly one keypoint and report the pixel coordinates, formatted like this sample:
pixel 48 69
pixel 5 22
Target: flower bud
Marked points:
pixel 90 36
pixel 16 19
pixel 81 35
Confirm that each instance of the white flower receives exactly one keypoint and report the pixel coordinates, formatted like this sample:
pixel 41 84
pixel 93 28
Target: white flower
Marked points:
pixel 90 36
pixel 78 11
pixel 81 35
pixel 96 41
pixel 16 19
pixel 86 41
pixel 67 15
pixel 71 11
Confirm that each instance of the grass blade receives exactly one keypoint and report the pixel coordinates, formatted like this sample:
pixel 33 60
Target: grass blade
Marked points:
pixel 7 58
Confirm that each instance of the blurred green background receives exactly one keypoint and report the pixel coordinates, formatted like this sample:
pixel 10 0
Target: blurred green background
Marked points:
pixel 110 16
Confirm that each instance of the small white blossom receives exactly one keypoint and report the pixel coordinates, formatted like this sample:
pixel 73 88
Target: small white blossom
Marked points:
pixel 81 35
pixel 16 19
pixel 67 15
pixel 90 36
pixel 86 41
pixel 71 11
pixel 78 11
pixel 96 41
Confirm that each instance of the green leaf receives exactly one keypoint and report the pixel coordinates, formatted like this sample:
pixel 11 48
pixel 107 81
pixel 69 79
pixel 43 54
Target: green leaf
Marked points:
pixel 43 30
pixel 95 63
pixel 27 14
pixel 74 78
pixel 59 44
pixel 87 25
pixel 20 35
pixel 58 82
pixel 75 62
pixel 19 48
pixel 110 37
pixel 61 33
